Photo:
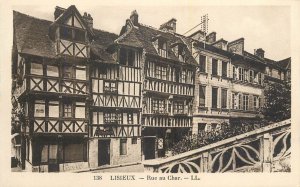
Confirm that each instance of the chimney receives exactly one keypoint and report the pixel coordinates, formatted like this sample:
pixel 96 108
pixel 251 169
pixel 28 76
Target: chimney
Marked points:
pixel 211 37
pixel 88 20
pixel 222 44
pixel 169 26
pixel 198 35
pixel 58 11
pixel 134 17
pixel 259 52
pixel 236 46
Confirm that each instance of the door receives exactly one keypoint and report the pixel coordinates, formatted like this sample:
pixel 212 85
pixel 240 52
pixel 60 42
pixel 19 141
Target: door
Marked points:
pixel 103 152
pixel 53 165
pixel 149 147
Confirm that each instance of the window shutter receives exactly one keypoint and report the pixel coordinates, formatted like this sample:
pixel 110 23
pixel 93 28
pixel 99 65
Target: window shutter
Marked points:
pixel 251 102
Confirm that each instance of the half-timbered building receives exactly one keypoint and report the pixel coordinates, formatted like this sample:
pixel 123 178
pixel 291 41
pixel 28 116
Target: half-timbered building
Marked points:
pixel 168 71
pixel 81 101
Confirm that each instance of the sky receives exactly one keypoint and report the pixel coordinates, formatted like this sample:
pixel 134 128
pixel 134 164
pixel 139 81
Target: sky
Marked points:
pixel 266 27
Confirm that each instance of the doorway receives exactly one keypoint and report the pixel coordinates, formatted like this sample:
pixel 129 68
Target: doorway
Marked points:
pixel 53 165
pixel 103 152
pixel 149 148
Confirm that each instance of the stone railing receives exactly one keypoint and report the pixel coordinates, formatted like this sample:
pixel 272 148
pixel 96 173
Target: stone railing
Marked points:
pixel 263 150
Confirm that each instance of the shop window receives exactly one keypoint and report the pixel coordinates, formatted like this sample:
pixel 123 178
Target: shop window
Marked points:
pixel 44 154
pixel 74 152
pixel 123 146
pixel 36 69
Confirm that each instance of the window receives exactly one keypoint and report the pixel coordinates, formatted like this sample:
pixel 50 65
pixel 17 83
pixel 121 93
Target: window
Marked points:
pixel 246 102
pixel 110 87
pixel 53 109
pixel 123 146
pixel 39 108
pixel 202 63
pixel 159 106
pixel 162 48
pixel 251 76
pixel 183 76
pixel 134 140
pixel 202 91
pixel 52 71
pixel 161 72
pixel 129 118
pixel 241 74
pixel 224 98
pixel 67 33
pixel 181 53
pixel 178 107
pixel 259 77
pixel 201 127
pixel 67 72
pixel 67 112
pixel 214 97
pixel 36 69
pixel 49 153
pixel 80 72
pixel 214 66
pixel 80 110
pixel 127 57
pixel 110 118
pixel 224 69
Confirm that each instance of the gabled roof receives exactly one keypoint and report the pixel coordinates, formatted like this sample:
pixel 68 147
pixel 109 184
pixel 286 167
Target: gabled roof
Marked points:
pixel 142 36
pixel 31 37
pixel 69 11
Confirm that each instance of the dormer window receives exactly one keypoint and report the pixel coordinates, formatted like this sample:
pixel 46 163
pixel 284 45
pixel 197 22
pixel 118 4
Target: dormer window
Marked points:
pixel 162 48
pixel 73 37
pixel 128 57
pixel 181 53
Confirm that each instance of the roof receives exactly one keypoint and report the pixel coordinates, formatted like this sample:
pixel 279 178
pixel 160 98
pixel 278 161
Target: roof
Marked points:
pixel 142 36
pixel 285 63
pixel 31 37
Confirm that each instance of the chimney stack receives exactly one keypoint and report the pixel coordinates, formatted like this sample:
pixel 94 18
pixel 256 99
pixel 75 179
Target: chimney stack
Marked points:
pixel 211 37
pixel 169 26
pixel 259 52
pixel 134 17
pixel 88 20
pixel 58 11
pixel 236 46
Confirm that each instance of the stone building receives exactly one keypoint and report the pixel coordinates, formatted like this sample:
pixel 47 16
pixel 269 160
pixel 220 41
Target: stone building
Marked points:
pixel 86 98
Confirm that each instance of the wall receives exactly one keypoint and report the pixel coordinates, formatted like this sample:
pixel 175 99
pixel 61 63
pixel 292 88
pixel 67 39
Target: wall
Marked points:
pixel 133 152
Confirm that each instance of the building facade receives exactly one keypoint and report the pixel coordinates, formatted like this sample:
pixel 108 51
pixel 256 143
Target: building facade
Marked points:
pixel 86 98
